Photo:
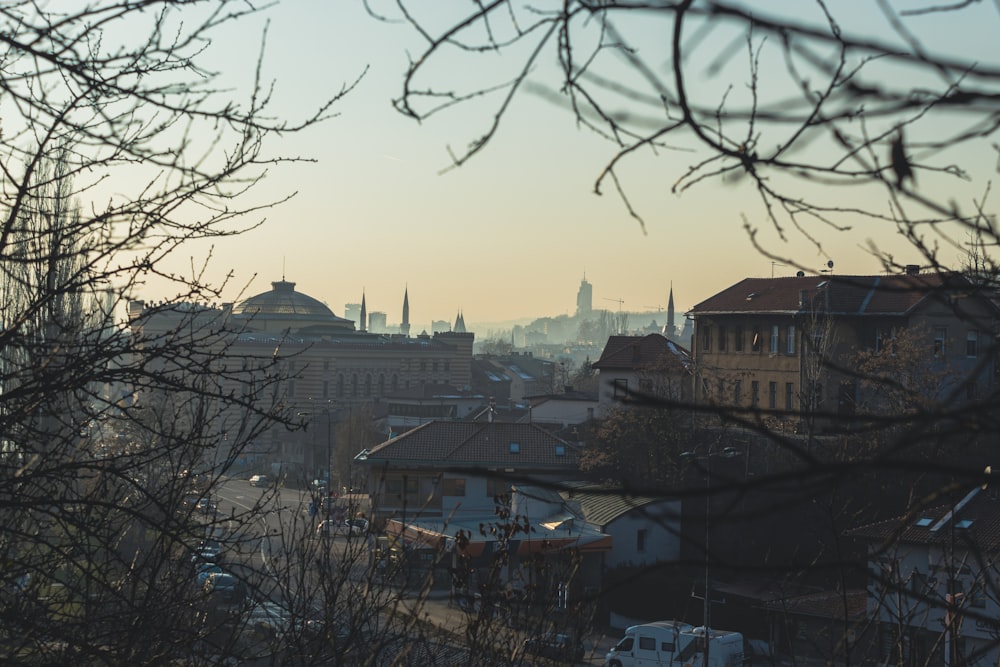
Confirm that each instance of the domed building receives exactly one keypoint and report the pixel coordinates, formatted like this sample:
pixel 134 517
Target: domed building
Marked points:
pixel 285 311
pixel 324 363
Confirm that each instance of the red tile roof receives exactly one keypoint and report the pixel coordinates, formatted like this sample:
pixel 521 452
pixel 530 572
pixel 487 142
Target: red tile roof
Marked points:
pixel 826 604
pixel 459 444
pixel 643 352
pixel 977 520
pixel 842 295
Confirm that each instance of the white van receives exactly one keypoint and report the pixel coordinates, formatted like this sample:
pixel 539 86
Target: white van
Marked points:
pixel 667 643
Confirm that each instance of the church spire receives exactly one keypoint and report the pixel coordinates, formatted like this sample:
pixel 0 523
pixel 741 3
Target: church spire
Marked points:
pixel 459 323
pixel 404 328
pixel 671 324
pixel 364 313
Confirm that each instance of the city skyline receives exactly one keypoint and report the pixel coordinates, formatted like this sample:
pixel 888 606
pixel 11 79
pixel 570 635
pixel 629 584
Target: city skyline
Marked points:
pixel 509 234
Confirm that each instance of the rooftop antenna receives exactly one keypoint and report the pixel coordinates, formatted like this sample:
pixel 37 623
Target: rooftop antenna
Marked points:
pixel 774 264
pixel 829 267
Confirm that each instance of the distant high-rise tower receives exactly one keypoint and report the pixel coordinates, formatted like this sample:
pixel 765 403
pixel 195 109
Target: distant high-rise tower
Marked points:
pixel 671 323
pixel 364 313
pixel 352 311
pixel 459 324
pixel 584 297
pixel 376 322
pixel 404 328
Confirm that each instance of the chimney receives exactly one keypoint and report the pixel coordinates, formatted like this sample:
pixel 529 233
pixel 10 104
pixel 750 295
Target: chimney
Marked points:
pixel 912 269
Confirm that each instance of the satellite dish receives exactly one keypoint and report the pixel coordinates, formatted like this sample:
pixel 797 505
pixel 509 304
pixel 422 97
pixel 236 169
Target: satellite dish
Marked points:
pixel 800 274
pixel 829 264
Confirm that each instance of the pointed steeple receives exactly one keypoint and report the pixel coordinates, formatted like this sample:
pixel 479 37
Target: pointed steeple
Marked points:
pixel 459 323
pixel 404 328
pixel 671 324
pixel 364 313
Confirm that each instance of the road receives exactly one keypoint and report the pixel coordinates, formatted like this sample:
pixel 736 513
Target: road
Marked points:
pixel 282 525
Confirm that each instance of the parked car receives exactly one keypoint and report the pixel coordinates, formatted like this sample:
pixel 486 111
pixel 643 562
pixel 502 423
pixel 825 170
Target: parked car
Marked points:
pixel 222 585
pixel 203 571
pixel 260 480
pixel 556 648
pixel 207 551
pixel 207 506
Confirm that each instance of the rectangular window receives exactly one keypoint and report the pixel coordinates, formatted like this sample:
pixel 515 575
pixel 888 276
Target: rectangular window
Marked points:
pixel 879 339
pixel 326 389
pixel 972 344
pixel 497 487
pixel 722 339
pixel 755 393
pixel 706 338
pixel 291 388
pixel 789 396
pixel 647 643
pixel 772 395
pixel 640 540
pixel 774 338
pixel 940 334
pixel 620 386
pixel 790 339
pixel 721 390
pixel 738 339
pixel 919 583
pixel 452 487
pixel 737 392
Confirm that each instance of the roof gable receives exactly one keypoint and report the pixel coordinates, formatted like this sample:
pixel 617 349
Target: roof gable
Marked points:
pixel 652 351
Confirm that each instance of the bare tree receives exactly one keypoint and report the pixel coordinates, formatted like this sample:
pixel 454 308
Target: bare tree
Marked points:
pixel 118 146
pixel 834 120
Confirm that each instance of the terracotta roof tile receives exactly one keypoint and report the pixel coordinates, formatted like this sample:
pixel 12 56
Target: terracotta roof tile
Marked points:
pixel 460 444
pixel 977 520
pixel 643 352
pixel 825 604
pixel 844 295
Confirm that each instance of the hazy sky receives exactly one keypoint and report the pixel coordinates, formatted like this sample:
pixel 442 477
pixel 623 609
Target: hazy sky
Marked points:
pixel 508 235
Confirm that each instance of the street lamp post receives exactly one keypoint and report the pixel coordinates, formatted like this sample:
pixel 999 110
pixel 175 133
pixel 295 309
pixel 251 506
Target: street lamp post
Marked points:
pixel 329 411
pixel 727 452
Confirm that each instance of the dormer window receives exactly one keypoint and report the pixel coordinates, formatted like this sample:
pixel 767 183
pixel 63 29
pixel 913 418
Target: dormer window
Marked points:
pixel 515 448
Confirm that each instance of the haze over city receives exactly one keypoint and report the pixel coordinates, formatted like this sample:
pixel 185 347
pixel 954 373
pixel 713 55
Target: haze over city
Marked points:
pixel 509 234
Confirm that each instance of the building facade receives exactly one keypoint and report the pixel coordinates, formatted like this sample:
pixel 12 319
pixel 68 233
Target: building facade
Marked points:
pixel 319 363
pixel 651 365
pixel 790 345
